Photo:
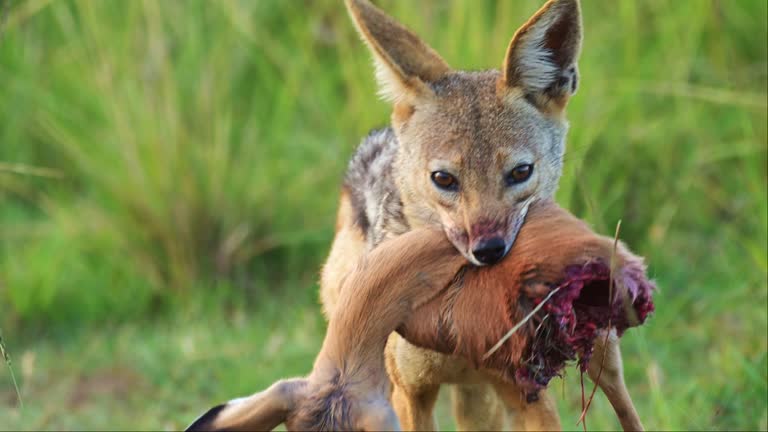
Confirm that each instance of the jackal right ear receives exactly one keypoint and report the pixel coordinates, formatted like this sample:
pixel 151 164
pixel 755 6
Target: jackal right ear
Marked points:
pixel 404 63
pixel 541 58
pixel 261 411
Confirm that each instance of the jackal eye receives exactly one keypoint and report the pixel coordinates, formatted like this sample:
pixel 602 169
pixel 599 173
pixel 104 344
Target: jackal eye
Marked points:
pixel 445 181
pixel 519 174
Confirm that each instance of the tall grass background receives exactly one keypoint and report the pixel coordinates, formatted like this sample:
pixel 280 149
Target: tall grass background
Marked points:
pixel 169 173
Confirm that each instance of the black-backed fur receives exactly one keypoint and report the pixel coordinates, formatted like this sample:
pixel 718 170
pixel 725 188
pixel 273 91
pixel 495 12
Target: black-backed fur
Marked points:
pixel 371 186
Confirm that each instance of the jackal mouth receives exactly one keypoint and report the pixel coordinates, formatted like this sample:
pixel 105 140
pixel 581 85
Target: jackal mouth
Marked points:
pixel 585 304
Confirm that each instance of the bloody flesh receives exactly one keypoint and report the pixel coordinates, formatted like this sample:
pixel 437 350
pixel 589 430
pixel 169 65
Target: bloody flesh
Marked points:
pixel 570 320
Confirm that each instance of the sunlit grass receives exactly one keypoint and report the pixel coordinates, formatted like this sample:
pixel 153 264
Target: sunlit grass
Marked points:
pixel 169 173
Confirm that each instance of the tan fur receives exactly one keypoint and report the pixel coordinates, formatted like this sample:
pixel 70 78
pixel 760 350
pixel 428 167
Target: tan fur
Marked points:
pixel 348 246
pixel 348 388
pixel 406 284
pixel 477 126
pixel 612 381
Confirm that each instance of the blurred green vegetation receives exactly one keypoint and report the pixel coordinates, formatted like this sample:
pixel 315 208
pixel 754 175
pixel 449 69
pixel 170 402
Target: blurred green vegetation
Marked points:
pixel 169 174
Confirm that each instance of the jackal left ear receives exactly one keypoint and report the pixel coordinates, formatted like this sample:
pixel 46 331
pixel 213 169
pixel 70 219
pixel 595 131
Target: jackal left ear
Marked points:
pixel 541 58
pixel 404 63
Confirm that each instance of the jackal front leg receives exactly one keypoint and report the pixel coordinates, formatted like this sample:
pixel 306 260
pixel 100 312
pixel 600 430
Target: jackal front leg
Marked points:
pixel 414 389
pixel 476 407
pixel 538 415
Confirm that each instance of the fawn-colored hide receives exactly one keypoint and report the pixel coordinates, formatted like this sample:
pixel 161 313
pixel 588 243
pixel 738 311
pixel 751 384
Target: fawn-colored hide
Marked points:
pixel 419 285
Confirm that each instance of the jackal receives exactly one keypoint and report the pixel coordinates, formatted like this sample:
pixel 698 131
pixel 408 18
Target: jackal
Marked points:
pixel 466 152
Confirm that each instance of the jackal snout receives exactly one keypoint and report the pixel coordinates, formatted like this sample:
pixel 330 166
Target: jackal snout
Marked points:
pixel 490 251
pixel 488 240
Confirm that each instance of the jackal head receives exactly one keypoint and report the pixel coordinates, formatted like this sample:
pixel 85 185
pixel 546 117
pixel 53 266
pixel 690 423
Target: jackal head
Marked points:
pixel 476 148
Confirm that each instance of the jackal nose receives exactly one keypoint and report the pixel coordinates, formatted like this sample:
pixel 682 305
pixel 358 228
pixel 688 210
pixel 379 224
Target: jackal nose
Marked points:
pixel 490 251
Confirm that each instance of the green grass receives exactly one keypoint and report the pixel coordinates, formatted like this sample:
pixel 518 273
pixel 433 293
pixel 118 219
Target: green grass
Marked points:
pixel 169 175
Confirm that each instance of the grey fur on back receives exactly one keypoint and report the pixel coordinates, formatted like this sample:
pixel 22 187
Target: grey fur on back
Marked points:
pixel 371 185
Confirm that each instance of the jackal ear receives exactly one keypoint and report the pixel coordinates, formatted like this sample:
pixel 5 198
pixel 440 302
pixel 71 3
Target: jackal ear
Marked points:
pixel 404 63
pixel 261 411
pixel 541 58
